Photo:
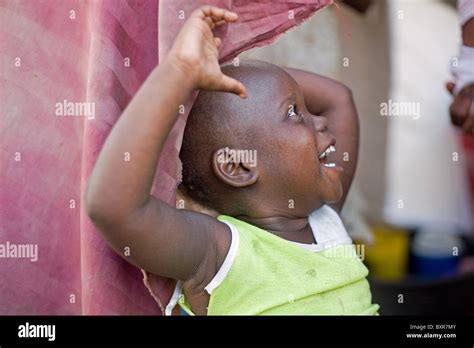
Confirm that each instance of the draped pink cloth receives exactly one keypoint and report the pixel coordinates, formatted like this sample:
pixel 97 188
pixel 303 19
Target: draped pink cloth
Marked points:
pixel 95 52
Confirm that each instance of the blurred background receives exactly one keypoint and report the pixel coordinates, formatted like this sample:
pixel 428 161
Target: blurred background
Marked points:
pixel 411 204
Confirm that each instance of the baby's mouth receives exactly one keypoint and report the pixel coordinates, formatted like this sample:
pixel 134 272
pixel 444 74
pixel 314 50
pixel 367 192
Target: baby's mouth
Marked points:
pixel 324 157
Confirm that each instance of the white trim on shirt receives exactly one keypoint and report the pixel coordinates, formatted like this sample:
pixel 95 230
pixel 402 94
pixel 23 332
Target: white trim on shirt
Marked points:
pixel 229 260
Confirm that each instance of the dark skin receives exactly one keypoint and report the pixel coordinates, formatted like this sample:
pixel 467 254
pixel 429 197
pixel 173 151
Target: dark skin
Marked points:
pixel 359 5
pixel 462 107
pixel 190 246
pixel 265 190
pixel 300 178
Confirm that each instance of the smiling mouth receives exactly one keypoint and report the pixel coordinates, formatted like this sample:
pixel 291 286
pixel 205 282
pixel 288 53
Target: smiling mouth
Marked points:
pixel 323 157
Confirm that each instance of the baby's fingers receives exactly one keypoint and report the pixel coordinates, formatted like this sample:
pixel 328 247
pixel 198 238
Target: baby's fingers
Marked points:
pixel 229 84
pixel 216 14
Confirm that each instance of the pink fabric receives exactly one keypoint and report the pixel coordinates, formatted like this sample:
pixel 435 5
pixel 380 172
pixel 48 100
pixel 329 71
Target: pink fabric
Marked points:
pixel 56 50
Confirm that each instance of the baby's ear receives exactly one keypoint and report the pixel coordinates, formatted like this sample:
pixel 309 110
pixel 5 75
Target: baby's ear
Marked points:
pixel 237 168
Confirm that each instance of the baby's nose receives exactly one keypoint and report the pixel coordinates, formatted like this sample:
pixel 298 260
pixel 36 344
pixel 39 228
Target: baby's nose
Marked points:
pixel 320 124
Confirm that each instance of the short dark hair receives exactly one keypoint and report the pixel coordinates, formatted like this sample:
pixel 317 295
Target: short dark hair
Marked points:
pixel 218 120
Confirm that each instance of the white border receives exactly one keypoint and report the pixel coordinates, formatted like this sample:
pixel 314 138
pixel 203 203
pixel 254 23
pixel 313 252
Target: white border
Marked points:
pixel 229 260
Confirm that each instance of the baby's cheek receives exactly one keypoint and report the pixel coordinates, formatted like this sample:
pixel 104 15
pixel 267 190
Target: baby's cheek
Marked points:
pixel 292 150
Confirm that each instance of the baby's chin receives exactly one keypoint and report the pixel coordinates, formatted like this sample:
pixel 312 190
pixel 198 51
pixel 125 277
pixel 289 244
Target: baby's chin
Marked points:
pixel 334 195
pixel 331 196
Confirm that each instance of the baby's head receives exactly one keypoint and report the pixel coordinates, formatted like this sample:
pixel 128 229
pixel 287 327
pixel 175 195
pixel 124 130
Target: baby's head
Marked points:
pixel 245 156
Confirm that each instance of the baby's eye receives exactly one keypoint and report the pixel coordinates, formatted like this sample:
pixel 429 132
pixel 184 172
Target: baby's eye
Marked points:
pixel 292 111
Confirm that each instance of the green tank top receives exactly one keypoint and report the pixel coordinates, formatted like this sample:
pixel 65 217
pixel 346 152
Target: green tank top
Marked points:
pixel 264 274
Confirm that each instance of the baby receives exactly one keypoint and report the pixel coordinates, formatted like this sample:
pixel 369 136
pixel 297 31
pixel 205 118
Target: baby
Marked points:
pixel 264 157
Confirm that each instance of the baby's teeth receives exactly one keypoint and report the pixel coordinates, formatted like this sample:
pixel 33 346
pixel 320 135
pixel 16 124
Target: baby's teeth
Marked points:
pixel 328 151
pixel 330 165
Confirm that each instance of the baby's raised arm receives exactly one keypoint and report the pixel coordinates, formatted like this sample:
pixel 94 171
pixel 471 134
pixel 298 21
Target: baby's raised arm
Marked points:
pixel 162 240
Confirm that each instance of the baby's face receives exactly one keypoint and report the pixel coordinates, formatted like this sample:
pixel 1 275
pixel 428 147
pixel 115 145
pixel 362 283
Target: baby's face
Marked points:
pixel 293 148
pixel 286 174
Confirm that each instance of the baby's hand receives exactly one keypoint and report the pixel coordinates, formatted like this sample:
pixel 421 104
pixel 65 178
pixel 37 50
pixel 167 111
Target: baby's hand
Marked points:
pixel 196 51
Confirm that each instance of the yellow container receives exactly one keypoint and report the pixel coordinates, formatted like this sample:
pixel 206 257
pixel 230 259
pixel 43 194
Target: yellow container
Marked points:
pixel 387 258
